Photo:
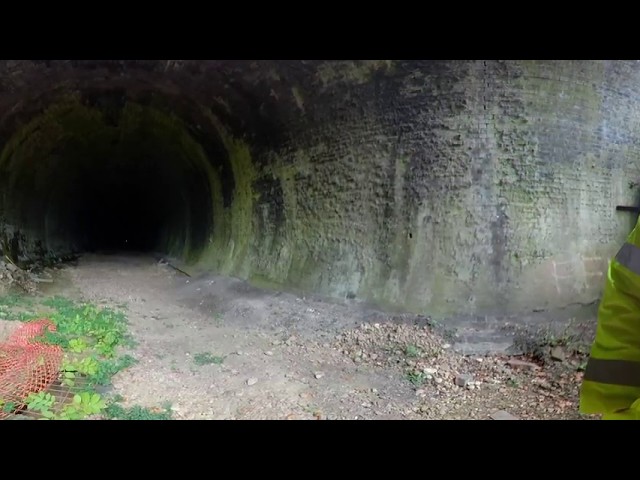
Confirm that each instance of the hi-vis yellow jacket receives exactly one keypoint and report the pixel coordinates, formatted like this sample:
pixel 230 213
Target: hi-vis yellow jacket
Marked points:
pixel 611 384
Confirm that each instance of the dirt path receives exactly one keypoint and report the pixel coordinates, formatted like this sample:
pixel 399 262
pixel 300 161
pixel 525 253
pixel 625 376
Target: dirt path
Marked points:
pixel 215 348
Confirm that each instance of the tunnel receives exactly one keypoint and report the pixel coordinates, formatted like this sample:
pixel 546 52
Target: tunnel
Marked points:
pixel 437 187
pixel 117 176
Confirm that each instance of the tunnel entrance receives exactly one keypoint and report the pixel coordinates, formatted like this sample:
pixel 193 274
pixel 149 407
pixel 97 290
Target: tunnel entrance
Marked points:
pixel 106 178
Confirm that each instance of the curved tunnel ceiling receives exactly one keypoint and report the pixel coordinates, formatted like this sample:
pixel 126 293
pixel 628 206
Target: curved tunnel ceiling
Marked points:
pixel 441 187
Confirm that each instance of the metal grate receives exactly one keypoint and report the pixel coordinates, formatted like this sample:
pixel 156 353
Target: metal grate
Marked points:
pixel 63 394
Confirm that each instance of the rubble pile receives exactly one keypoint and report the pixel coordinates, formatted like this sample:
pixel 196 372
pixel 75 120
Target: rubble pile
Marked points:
pixel 11 275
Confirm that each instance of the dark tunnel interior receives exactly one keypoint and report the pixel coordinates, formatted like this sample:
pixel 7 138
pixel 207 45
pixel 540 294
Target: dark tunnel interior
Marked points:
pixel 105 176
pixel 123 211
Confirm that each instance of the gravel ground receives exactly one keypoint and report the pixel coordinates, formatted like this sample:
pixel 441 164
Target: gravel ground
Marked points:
pixel 451 386
pixel 287 357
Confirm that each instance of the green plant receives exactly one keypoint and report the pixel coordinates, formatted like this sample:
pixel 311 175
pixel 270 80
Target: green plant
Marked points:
pixel 218 318
pixel 41 402
pixel 91 337
pixel 58 302
pixel 7 407
pixel 416 378
pixel 88 366
pixel 207 359
pixel 26 316
pixel 312 409
pixel 14 300
pixel 89 402
pixel 117 398
pixel 109 368
pixel 83 404
pixel 77 345
pixel 412 351
pixel 68 378
pixel 117 412
pixel 70 412
pixel 10 305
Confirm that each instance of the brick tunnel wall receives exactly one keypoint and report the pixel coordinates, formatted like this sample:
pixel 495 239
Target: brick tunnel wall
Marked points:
pixel 441 187
pixel 473 187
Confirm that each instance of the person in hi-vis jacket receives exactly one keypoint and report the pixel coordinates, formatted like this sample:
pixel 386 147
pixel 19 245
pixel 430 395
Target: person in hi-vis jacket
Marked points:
pixel 611 383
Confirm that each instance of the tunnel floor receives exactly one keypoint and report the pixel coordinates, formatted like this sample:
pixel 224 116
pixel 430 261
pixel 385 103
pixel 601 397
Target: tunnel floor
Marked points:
pixel 288 357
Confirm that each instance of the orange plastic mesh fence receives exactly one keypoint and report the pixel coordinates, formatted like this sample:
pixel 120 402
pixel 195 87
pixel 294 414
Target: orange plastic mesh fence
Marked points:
pixel 27 366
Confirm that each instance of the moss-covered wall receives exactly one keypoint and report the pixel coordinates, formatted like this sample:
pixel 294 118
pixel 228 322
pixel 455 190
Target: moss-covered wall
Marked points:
pixel 452 187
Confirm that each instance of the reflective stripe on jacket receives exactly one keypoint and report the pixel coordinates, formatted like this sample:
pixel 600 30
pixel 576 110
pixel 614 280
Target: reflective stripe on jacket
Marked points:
pixel 611 382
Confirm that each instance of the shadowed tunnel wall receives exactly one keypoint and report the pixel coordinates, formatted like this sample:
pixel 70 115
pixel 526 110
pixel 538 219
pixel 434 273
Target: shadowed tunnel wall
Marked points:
pixel 439 187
